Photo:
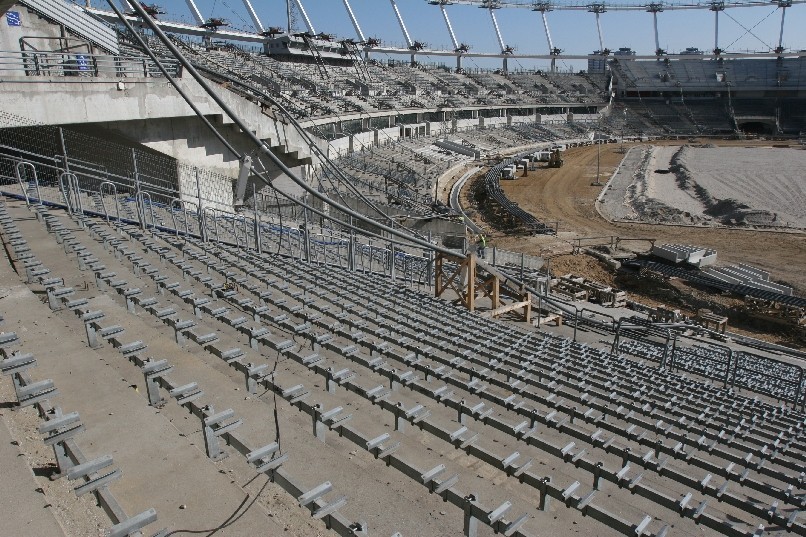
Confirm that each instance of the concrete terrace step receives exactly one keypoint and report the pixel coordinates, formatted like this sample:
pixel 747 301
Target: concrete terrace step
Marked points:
pixel 210 372
pixel 159 465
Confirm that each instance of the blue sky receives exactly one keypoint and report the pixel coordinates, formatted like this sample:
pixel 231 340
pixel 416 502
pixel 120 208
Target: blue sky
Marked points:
pixel 572 31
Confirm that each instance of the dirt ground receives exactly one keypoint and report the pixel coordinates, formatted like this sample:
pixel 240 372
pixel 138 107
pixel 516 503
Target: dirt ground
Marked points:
pixel 566 195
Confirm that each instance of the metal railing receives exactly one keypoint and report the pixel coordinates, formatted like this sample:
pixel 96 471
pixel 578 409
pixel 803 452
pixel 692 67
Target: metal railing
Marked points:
pixel 88 188
pixel 36 63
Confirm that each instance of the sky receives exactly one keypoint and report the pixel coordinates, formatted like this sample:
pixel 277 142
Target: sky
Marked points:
pixel 572 31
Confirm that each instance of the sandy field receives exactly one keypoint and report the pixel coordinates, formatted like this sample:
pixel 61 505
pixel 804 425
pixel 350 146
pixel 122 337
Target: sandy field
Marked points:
pixel 710 186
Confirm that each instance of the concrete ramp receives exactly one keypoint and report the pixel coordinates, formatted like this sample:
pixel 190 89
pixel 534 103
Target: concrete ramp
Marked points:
pixel 75 20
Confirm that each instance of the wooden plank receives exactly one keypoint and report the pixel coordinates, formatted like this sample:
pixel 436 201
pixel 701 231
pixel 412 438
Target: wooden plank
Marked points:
pixel 505 309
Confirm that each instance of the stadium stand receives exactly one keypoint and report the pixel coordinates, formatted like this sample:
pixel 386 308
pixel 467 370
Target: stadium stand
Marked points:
pixel 516 371
pixel 715 96
pixel 307 354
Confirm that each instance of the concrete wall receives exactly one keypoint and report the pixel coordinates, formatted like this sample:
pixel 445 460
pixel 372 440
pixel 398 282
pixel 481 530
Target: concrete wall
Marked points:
pixel 439 128
pixel 585 118
pixel 553 118
pixel 65 100
pixel 363 140
pixel 388 136
pixel 464 124
pixel 519 120
pixel 31 24
pixel 355 143
pixel 338 147
pixel 151 112
pixel 494 121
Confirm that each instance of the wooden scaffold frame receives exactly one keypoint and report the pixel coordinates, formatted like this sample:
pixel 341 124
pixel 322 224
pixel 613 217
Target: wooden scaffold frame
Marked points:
pixel 472 279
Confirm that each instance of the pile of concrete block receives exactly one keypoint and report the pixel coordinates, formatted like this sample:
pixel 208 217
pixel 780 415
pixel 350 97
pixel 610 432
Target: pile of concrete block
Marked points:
pixel 685 253
pixel 583 289
pixel 743 274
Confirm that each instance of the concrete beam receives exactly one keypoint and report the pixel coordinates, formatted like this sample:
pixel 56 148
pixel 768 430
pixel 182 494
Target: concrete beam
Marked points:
pixel 61 101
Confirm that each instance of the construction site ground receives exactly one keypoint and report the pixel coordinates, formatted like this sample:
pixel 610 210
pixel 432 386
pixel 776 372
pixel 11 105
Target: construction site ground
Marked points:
pixel 566 196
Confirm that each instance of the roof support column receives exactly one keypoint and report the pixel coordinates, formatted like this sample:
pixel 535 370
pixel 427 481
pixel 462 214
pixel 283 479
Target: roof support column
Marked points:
pixel 354 20
pixel 655 24
pixel 497 29
pixel 504 48
pixel 716 7
pixel 195 12
pixel 543 7
pixel 402 24
pixel 656 8
pixel 548 32
pixel 599 30
pixel 783 4
pixel 456 46
pixel 598 9
pixel 450 27
pixel 255 19
pixel 308 24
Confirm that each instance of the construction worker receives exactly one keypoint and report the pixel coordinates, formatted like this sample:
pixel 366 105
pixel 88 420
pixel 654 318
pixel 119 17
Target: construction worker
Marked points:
pixel 481 245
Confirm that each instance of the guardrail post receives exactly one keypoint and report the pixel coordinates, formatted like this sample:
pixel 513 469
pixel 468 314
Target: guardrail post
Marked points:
pixel 351 248
pixel 258 243
pixel 544 496
pixel 306 234
pixel 392 261
pixel 471 526
pixel 730 364
pixel 522 261
pixel 140 213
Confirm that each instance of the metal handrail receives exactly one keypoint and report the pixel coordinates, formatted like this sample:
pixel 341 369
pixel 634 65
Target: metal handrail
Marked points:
pixel 185 203
pixel 72 189
pixel 77 189
pixel 115 196
pixel 17 168
pixel 49 63
pixel 235 231
pixel 181 203
pixel 215 220
pixel 141 200
pixel 64 192
pixel 199 218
